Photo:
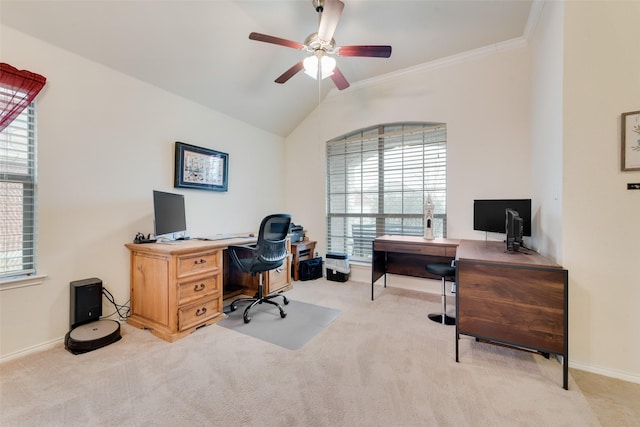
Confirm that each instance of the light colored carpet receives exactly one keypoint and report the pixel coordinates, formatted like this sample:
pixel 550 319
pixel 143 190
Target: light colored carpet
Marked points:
pixel 380 363
pixel 303 322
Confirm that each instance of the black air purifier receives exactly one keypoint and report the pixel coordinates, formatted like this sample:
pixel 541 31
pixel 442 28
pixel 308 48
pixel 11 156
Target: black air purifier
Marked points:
pixel 88 332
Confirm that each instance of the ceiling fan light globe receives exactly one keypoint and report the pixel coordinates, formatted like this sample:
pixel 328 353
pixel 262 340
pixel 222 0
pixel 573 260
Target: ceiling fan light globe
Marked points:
pixel 327 65
pixel 311 66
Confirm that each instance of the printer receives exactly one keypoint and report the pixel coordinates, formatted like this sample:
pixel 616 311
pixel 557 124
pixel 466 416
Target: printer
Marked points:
pixel 296 233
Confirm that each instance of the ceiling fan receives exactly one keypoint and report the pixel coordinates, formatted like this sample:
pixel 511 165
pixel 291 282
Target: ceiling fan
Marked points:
pixel 321 46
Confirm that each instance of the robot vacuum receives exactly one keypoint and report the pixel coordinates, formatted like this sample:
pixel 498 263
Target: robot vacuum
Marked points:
pixel 91 336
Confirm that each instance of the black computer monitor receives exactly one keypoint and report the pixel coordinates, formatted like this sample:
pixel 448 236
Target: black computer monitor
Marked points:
pixel 169 214
pixel 514 228
pixel 489 215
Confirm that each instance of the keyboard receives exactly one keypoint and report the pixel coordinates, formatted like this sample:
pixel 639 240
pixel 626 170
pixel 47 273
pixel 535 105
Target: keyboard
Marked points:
pixel 219 237
pixel 224 237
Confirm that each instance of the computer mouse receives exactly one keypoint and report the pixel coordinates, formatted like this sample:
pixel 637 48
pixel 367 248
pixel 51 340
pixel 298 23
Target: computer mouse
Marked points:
pixel 252 235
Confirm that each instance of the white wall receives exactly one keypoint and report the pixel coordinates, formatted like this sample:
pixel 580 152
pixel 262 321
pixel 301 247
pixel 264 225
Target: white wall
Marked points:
pixel 105 141
pixel 546 130
pixel 483 97
pixel 601 228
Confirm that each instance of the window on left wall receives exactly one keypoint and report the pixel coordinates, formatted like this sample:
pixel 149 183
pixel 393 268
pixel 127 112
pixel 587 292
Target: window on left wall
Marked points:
pixel 18 196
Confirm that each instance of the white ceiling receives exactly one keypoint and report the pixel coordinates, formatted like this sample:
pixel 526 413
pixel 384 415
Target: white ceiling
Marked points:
pixel 201 50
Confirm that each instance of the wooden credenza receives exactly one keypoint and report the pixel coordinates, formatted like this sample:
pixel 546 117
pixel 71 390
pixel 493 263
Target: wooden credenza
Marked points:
pixel 177 288
pixel 518 299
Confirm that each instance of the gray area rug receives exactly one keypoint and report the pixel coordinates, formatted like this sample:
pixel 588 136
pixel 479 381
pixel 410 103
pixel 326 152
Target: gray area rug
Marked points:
pixel 303 322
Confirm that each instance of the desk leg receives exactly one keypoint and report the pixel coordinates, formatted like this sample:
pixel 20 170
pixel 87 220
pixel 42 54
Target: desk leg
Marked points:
pixel 457 316
pixel 378 268
pixel 565 372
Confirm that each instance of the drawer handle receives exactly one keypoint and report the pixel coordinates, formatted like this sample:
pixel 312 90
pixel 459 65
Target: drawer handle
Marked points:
pixel 279 270
pixel 200 261
pixel 201 311
pixel 198 288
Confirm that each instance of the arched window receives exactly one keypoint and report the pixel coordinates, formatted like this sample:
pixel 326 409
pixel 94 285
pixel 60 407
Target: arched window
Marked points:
pixel 378 180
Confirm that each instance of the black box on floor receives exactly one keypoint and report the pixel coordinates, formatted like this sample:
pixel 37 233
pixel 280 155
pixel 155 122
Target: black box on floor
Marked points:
pixel 337 266
pixel 311 269
pixel 336 276
pixel 86 301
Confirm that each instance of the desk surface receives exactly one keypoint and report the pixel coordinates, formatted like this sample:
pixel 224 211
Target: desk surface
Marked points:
pixel 184 246
pixel 417 240
pixel 494 252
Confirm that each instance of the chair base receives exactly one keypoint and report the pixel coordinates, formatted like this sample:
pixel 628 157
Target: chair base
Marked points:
pixel 258 300
pixel 443 319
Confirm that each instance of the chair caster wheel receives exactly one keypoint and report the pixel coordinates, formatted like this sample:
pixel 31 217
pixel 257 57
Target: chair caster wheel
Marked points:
pixel 247 319
pixel 286 301
pixel 233 307
pixel 283 314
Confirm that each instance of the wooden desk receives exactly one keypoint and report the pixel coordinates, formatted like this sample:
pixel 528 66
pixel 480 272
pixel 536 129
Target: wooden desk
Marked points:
pixel 408 256
pixel 301 251
pixel 177 288
pixel 518 299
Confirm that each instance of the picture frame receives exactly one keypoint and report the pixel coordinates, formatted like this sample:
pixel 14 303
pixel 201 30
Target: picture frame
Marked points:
pixel 631 141
pixel 200 168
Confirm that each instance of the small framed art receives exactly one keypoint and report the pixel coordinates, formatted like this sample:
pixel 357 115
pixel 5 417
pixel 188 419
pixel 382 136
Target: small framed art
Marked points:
pixel 201 168
pixel 631 141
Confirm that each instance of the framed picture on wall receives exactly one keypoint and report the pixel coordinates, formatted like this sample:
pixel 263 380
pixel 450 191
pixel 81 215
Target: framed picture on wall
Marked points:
pixel 201 168
pixel 631 141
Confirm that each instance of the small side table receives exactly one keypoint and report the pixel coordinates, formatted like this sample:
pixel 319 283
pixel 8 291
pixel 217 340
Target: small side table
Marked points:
pixel 301 251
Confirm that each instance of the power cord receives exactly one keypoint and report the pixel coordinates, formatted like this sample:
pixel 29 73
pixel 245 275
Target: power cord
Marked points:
pixel 126 310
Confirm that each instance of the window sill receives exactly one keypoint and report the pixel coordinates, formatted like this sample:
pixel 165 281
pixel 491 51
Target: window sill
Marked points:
pixel 22 282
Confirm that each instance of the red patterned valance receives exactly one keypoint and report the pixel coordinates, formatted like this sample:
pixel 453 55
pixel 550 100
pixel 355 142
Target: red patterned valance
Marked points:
pixel 17 89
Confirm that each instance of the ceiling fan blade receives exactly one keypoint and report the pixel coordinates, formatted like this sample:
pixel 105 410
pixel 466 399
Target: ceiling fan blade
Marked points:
pixel 370 51
pixel 339 79
pixel 290 73
pixel 329 19
pixel 275 40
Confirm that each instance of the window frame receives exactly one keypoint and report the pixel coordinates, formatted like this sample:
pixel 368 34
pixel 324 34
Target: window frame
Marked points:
pixel 408 160
pixel 21 133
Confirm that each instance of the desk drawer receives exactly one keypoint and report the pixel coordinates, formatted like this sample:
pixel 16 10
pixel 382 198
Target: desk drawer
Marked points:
pixel 198 313
pixel 279 277
pixel 196 289
pixel 191 264
pixel 423 249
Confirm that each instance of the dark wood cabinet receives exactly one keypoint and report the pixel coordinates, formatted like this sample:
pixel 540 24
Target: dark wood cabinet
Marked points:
pixel 518 299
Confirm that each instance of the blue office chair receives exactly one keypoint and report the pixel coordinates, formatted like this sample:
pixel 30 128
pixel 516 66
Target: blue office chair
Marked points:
pixel 267 254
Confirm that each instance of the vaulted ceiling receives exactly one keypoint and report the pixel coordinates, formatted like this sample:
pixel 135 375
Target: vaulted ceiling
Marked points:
pixel 200 49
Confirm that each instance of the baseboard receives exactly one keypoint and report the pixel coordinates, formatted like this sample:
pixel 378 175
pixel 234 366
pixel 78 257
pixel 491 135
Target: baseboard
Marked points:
pixel 624 376
pixel 31 350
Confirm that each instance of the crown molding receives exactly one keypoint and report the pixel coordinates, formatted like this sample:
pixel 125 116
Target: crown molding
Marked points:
pixel 534 17
pixel 519 42
pixel 516 43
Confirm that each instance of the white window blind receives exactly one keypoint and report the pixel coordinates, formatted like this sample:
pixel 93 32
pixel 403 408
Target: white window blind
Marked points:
pixel 377 182
pixel 17 195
